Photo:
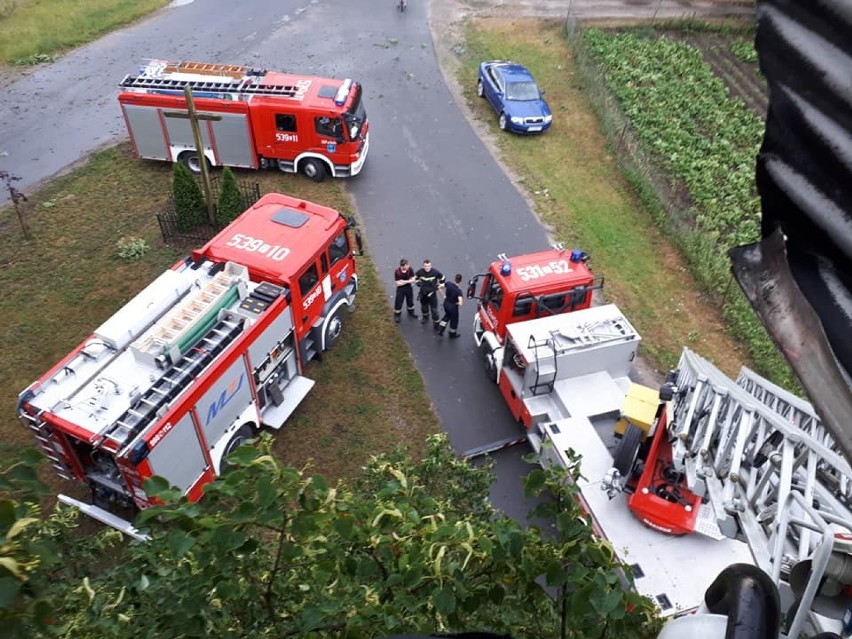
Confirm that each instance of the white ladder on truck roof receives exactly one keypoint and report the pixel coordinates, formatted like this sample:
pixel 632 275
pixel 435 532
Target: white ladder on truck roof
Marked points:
pixel 182 319
pixel 245 87
pixel 770 471
pixel 206 68
pixel 173 382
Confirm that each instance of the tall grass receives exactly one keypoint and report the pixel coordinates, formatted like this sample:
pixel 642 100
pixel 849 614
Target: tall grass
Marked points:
pixel 36 30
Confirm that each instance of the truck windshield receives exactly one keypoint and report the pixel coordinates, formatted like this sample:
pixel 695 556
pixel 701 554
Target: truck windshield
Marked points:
pixel 356 115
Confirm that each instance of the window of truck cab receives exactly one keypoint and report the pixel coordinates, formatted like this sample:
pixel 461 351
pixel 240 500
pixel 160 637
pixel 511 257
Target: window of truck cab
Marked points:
pixel 339 248
pixel 329 127
pixel 285 122
pixel 308 279
pixel 492 292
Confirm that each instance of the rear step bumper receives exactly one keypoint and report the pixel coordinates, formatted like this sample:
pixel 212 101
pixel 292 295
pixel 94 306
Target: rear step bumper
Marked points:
pixel 106 517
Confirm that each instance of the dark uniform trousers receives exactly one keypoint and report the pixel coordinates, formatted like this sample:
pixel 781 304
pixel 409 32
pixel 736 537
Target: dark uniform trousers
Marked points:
pixel 453 295
pixel 429 303
pixel 404 293
pixel 429 282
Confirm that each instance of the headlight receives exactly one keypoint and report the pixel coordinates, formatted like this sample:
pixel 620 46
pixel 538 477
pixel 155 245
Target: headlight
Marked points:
pixel 517 120
pixel 548 119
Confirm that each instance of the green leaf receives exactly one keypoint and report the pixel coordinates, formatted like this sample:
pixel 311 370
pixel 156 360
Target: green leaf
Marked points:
pixel 534 482
pixel 180 543
pixel 345 527
pixel 9 588
pixel 444 600
pixel 156 485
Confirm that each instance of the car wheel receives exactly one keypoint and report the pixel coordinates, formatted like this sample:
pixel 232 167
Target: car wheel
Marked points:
pixel 333 329
pixel 191 160
pixel 503 122
pixel 313 169
pixel 480 90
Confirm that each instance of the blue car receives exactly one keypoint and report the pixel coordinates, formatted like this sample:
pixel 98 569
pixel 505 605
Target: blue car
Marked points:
pixel 511 89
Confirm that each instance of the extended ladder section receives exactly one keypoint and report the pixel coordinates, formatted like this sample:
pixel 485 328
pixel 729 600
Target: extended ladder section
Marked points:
pixel 175 380
pixel 772 474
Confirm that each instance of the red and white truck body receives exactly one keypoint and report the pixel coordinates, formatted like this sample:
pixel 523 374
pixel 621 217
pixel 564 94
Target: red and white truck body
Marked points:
pixel 526 287
pixel 249 118
pixel 203 357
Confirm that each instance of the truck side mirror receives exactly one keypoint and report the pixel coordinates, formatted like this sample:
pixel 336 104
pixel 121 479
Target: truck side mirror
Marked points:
pixel 359 242
pixel 471 287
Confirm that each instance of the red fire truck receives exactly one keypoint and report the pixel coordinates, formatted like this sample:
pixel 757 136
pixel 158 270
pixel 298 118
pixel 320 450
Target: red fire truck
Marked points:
pixel 250 118
pixel 525 287
pixel 196 363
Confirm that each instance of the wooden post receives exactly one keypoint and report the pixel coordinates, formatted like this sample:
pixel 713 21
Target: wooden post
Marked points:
pixel 199 149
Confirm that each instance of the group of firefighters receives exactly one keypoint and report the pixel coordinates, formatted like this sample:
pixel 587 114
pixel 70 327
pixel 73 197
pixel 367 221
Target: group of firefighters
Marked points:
pixel 430 281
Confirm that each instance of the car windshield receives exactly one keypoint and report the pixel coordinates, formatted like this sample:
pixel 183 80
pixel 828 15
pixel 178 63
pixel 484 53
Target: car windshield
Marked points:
pixel 522 91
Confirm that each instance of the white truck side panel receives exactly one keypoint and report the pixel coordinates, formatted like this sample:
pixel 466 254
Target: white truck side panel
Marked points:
pixel 146 132
pixel 234 144
pixel 178 456
pixel 224 401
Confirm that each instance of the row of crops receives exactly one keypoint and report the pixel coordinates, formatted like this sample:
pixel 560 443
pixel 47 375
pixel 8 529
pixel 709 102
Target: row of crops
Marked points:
pixel 707 142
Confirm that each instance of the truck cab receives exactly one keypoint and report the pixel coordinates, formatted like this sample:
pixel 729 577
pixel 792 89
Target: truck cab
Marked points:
pixel 527 287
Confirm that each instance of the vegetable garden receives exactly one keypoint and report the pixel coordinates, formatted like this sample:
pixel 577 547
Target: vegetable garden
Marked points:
pixel 688 128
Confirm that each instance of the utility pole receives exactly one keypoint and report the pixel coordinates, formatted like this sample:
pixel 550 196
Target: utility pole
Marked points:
pixel 199 149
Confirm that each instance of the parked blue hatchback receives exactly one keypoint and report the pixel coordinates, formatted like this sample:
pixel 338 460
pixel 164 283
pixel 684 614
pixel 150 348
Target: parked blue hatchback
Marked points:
pixel 511 89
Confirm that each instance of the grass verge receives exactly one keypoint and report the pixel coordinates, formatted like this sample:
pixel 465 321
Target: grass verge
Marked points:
pixel 32 31
pixel 62 284
pixel 579 192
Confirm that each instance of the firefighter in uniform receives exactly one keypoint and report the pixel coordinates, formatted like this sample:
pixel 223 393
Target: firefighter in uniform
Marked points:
pixel 404 278
pixel 429 280
pixel 453 299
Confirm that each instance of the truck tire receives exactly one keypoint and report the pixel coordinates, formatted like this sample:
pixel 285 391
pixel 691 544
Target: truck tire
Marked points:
pixel 333 329
pixel 245 432
pixel 488 361
pixel 628 450
pixel 313 169
pixel 191 161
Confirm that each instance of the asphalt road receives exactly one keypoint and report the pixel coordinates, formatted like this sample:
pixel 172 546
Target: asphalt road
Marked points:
pixel 429 189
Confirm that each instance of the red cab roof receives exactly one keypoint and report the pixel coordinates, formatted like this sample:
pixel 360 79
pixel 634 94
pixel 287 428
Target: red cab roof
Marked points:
pixel 542 272
pixel 275 238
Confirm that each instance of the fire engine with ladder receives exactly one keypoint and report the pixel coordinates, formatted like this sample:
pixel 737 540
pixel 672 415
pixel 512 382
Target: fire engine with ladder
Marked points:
pixel 211 351
pixel 249 117
pixel 705 476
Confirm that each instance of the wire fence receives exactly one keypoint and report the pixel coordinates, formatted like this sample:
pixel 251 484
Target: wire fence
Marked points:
pixel 167 218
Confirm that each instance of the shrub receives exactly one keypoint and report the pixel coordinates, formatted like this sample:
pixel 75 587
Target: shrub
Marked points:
pixel 230 203
pixel 190 209
pixel 131 249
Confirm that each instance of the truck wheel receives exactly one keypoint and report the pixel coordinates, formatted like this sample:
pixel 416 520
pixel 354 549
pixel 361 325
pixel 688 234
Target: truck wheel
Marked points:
pixel 480 90
pixel 313 169
pixel 488 361
pixel 333 329
pixel 239 438
pixel 191 161
pixel 502 122
pixel 628 450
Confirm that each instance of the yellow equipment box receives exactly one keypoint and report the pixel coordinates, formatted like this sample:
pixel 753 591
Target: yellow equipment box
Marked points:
pixel 639 408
